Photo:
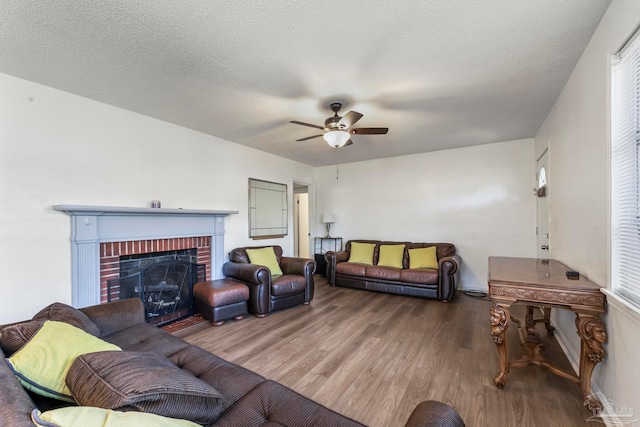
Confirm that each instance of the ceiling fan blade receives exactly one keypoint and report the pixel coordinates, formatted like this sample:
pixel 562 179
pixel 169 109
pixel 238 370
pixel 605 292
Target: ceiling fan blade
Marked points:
pixel 348 143
pixel 295 122
pixel 369 131
pixel 309 137
pixel 349 119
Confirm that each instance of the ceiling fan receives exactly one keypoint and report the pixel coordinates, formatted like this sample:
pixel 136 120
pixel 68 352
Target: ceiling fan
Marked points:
pixel 338 130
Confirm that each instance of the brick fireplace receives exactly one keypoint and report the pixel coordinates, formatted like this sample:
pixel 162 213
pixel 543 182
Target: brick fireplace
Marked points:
pixel 101 234
pixel 111 252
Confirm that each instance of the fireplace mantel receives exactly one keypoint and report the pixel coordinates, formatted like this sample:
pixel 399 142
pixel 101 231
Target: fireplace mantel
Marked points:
pixel 117 210
pixel 93 225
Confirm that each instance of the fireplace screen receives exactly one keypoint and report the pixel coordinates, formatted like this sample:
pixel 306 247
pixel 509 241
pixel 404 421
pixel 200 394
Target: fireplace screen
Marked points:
pixel 165 288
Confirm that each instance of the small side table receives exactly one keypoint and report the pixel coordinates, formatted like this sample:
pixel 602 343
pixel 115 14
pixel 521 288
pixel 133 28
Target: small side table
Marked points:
pixel 321 246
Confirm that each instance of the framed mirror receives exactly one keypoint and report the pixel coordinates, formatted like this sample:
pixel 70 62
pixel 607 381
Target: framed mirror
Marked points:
pixel 268 212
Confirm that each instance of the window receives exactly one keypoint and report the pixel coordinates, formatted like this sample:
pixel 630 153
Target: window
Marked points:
pixel 625 173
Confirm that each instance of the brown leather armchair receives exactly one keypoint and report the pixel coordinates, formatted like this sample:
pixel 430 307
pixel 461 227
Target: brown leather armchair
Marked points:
pixel 266 293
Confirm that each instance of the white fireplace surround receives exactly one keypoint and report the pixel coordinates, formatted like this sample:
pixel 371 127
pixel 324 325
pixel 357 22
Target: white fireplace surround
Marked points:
pixel 92 225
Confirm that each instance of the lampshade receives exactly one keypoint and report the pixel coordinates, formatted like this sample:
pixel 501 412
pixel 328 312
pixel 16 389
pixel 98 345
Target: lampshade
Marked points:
pixel 336 138
pixel 328 218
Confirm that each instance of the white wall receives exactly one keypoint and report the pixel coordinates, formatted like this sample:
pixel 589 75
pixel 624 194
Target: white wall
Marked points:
pixel 478 198
pixel 58 148
pixel 577 133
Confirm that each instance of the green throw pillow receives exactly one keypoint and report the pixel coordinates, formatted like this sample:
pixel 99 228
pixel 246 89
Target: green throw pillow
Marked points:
pixel 265 257
pixel 423 258
pixel 391 256
pixel 86 416
pixel 362 253
pixel 42 363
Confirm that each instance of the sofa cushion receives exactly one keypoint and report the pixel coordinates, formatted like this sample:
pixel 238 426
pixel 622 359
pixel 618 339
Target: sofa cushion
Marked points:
pixel 362 253
pixel 275 405
pixel 42 363
pixel 66 313
pixel 231 380
pixel 288 284
pixel 13 337
pixel 146 337
pixel 117 315
pixel 87 416
pixel 420 276
pixel 391 256
pixel 384 273
pixel 265 257
pixel 351 269
pixel 142 381
pixel 423 258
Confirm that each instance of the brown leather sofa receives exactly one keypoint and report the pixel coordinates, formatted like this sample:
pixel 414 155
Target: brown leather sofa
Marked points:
pixel 247 399
pixel 437 284
pixel 267 293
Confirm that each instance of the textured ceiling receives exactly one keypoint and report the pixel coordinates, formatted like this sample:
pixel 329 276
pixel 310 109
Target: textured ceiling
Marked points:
pixel 440 74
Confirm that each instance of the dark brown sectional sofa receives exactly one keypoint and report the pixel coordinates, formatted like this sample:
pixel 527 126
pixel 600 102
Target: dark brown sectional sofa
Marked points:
pixel 437 284
pixel 247 399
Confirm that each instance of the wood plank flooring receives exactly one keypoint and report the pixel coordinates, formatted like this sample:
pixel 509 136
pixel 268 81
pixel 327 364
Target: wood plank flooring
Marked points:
pixel 373 357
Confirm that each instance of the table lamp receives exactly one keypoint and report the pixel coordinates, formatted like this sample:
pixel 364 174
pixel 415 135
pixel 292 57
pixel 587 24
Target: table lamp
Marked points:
pixel 328 219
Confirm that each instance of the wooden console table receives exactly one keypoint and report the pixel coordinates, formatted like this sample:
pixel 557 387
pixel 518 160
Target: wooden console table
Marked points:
pixel 543 283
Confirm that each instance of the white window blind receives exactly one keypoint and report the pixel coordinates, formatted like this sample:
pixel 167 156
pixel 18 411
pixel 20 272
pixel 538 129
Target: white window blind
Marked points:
pixel 625 173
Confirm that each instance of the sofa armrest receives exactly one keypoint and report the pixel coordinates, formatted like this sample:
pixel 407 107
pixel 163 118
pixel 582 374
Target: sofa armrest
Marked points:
pixel 449 268
pixel 116 316
pixel 434 414
pixel 15 403
pixel 332 259
pixel 251 274
pixel 257 278
pixel 301 266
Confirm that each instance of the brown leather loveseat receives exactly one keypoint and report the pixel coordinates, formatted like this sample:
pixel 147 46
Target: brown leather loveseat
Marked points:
pixel 436 283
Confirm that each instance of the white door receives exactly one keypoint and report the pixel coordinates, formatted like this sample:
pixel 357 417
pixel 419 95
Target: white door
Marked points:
pixel 301 224
pixel 542 193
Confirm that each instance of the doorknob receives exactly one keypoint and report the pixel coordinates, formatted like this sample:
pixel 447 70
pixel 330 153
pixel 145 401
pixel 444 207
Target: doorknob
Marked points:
pixel 544 247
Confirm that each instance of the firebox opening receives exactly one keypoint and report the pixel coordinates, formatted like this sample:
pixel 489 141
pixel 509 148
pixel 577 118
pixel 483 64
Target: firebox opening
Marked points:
pixel 162 280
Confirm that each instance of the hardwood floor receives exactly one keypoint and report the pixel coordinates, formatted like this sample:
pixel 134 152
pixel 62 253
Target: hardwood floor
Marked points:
pixel 374 357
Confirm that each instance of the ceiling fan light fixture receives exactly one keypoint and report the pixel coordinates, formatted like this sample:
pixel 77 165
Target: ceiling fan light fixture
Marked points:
pixel 336 138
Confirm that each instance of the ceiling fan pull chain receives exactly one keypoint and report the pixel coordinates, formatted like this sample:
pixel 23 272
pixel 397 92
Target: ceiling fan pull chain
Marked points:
pixel 337 166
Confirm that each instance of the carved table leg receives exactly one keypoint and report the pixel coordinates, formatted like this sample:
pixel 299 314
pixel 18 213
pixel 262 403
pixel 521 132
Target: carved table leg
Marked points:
pixel 592 335
pixel 530 326
pixel 499 322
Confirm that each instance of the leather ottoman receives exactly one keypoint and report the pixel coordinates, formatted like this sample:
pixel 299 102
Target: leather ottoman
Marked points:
pixel 220 300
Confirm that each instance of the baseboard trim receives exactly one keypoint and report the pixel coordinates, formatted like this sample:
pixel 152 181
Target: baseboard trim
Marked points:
pixel 574 359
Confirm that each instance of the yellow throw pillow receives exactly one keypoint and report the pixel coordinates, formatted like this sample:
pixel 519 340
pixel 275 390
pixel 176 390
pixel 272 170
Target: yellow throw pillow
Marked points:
pixel 87 416
pixel 42 364
pixel 362 253
pixel 265 257
pixel 391 256
pixel 423 258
